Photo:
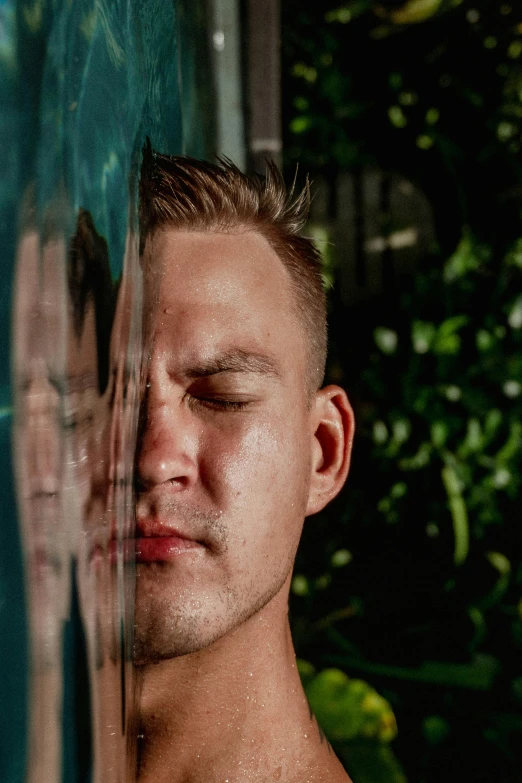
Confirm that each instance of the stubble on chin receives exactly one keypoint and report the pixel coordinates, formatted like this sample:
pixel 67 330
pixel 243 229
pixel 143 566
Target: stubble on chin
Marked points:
pixel 189 623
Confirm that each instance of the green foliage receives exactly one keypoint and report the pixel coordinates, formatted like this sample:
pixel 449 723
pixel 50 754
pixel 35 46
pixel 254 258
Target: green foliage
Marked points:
pixel 348 709
pixel 357 721
pixel 463 391
pixel 424 601
pixel 370 763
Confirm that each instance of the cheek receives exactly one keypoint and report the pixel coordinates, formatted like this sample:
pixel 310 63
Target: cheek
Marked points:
pixel 262 465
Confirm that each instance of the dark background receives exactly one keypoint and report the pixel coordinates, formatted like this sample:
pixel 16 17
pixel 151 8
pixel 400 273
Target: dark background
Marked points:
pixel 408 118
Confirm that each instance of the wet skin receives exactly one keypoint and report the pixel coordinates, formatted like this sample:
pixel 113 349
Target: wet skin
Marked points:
pixel 234 453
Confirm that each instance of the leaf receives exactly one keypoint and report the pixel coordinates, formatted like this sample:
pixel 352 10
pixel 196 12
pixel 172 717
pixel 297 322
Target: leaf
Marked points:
pixel 348 708
pixel 512 445
pixel 474 440
pixel 459 513
pixel 419 460
pixel 301 124
pixel 422 335
pixel 467 258
pixel 446 339
pixel 367 762
pixel 415 11
pixel 452 325
pixel 478 675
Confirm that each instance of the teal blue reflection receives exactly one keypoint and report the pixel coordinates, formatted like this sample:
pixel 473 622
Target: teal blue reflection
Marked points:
pixel 82 84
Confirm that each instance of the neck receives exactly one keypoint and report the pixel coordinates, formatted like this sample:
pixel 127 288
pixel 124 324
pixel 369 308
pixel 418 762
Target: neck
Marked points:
pixel 233 711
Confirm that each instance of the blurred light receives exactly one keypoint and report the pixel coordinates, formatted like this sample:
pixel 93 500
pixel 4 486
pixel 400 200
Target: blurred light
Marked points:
pixel 300 124
pixel 341 15
pixel 305 72
pixel 499 561
pixel 401 430
pixel 405 238
pixel 512 389
pixel 386 339
pixel 424 142
pixel 375 245
pixel 473 16
pixel 484 340
pixel 422 335
pixel 396 240
pixel 506 130
pixel 515 315
pixel 432 530
pixel 514 49
pixel 439 433
pixel 490 42
pixel 453 393
pixel 300 585
pixel 421 345
pixel 501 478
pixel 399 490
pixel 380 432
pixel 408 98
pixel 341 558
pixel 396 116
pixel 218 40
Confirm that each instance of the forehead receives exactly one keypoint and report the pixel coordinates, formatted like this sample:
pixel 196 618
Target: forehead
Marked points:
pixel 221 287
pixel 216 260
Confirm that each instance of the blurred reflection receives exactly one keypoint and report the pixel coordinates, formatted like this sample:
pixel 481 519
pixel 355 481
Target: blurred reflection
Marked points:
pixel 39 369
pixel 75 340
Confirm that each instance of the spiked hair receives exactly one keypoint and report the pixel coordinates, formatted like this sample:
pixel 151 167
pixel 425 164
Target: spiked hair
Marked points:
pixel 188 194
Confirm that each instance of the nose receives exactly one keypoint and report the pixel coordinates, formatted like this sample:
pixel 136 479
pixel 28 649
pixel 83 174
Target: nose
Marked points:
pixel 167 447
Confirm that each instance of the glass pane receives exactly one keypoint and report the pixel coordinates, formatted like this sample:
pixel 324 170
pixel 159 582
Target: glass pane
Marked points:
pixel 81 86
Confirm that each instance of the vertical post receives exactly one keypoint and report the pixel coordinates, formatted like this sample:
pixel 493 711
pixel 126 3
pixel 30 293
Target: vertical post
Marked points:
pixel 264 82
pixel 227 64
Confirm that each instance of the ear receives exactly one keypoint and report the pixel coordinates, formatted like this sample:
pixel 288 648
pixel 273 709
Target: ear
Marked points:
pixel 332 433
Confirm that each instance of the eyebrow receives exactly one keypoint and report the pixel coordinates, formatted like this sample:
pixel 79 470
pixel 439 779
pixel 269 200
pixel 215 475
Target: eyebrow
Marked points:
pixel 236 360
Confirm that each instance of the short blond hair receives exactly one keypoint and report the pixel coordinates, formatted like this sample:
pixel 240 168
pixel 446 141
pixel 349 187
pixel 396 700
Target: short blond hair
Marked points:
pixel 181 192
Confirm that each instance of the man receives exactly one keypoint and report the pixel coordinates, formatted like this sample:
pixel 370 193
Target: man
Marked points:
pixel 239 444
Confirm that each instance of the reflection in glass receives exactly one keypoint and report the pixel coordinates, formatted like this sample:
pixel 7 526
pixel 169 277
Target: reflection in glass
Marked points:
pixel 75 376
pixel 81 86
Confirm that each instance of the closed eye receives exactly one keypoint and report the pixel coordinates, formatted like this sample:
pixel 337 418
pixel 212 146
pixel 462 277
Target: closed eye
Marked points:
pixel 219 403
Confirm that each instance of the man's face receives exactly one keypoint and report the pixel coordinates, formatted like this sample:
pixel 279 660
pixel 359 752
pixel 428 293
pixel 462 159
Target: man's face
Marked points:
pixel 224 461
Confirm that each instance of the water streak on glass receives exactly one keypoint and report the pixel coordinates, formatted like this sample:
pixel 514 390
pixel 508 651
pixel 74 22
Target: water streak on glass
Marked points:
pixel 75 376
pixel 81 85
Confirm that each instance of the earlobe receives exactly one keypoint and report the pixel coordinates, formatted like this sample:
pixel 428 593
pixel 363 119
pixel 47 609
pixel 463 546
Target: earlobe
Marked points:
pixel 332 433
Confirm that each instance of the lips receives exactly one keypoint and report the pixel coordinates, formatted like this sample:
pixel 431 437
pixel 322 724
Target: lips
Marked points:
pixel 156 542
pixel 153 542
pixel 153 549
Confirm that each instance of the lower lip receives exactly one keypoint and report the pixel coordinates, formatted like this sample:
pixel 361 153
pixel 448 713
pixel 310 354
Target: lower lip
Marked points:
pixel 163 548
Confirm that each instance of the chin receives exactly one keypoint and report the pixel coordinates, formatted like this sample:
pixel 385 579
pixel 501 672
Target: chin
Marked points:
pixel 172 623
pixel 169 629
